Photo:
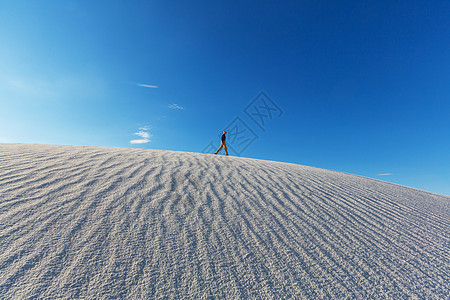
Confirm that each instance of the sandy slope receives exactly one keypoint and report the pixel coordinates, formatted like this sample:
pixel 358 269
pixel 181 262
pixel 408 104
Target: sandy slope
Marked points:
pixel 89 222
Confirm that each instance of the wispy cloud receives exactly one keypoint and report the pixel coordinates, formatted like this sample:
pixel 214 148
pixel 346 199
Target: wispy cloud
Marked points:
pixel 385 174
pixel 147 85
pixel 143 134
pixel 175 106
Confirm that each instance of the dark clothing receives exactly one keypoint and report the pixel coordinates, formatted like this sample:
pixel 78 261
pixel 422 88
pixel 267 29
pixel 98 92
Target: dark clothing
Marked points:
pixel 223 145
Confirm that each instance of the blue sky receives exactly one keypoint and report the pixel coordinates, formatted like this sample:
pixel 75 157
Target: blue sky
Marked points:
pixel 362 86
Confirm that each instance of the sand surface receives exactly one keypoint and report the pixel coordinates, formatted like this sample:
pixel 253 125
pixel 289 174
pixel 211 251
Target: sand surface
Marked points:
pixel 93 223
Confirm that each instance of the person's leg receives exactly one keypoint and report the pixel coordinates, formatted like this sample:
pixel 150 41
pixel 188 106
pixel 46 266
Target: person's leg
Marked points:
pixel 220 148
pixel 226 150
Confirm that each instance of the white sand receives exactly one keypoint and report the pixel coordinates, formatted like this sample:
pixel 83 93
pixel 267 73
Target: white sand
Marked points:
pixel 89 222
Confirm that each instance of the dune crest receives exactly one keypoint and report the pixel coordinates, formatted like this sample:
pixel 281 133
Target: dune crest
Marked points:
pixel 91 222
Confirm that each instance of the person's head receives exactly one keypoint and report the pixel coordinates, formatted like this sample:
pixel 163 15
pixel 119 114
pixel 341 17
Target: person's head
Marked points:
pixel 224 132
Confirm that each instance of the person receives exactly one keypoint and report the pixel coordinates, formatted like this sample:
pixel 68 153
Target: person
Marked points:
pixel 223 144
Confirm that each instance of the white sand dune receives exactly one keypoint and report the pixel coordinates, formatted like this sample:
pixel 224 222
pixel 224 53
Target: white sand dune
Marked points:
pixel 92 223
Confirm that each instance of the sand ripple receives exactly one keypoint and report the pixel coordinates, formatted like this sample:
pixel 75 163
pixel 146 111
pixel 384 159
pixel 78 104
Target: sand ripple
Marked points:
pixel 90 222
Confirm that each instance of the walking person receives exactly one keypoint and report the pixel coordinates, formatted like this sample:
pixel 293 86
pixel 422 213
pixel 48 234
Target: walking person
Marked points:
pixel 223 144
